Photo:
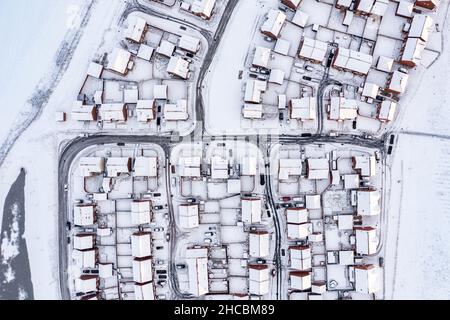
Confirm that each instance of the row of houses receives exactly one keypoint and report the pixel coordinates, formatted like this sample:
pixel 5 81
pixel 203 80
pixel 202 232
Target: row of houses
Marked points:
pixel 115 166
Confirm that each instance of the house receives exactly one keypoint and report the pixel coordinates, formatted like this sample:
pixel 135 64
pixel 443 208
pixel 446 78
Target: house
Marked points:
pixel 146 167
pixel 85 259
pixel 252 111
pixel 166 49
pixel 189 43
pixel 188 215
pixel 289 167
pixel 248 166
pixel 276 76
pixel 89 166
pixel 142 270
pixel 318 287
pixel 317 169
pixel 293 4
pixel 370 90
pixel 119 61
pixel 427 4
pixel 421 27
pixel 145 110
pixel 313 201
pixel 314 50
pixel 364 7
pixel 273 24
pixel 114 112
pixel 144 291
pixel 95 70
pixel 84 241
pixel 343 4
pixel 341 109
pixel 296 215
pixel 405 9
pixel 115 166
pixel 258 279
pixel 398 82
pixel 197 264
pixel 141 212
pixel 219 167
pixel 259 244
pixel 141 244
pixel 412 52
pixel 385 64
pixel 300 280
pixel 303 108
pixel 178 67
pixel 380 7
pixel 203 8
pixel 366 240
pixel 136 31
pixel 254 90
pixel 386 111
pixel 160 92
pixel 298 230
pixel 84 215
pixel 364 165
pixel 251 209
pixel 176 112
pixel 300 18
pixel 353 61
pixel 189 167
pixel 365 278
pixel 87 284
pixel 368 202
pixel 261 57
pixel 145 52
pixel 81 112
pixel 300 257
pixel 282 47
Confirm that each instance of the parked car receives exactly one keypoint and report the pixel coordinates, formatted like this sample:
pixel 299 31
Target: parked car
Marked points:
pixel 181 266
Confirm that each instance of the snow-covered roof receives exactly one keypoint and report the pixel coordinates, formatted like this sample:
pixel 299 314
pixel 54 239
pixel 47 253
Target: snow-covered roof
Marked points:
pixel 276 76
pixel 253 90
pixel 344 3
pixel 118 61
pixel 141 212
pixel 142 270
pixel 289 167
pixel 82 112
pixel 370 90
pixel 95 70
pixel 91 165
pixel 197 263
pixel 352 60
pixel 313 49
pixel 300 280
pixel 282 47
pixel 385 64
pixel 282 101
pixel 252 111
pixel 365 165
pixel 398 82
pixel 366 278
pixel 364 6
pixel 380 7
pixel 113 112
pixel 317 168
pixel 136 30
pixel 219 167
pixel 189 43
pixel 189 166
pixel 293 4
pixel 160 92
pixel 166 48
pixel 343 109
pixel 144 291
pixel 274 22
pixel 366 240
pixel 300 252
pixel 300 18
pixel 86 283
pixel 188 214
pixel 105 270
pixel 259 244
pixel 261 57
pixel 84 215
pixel 297 215
pixel 313 201
pixel 248 166
pixel 251 209
pixel 298 231
pixel 412 52
pixel 258 279
pixel 386 110
pixel 178 67
pixel 368 202
pixel 176 112
pixel 145 167
pixel 118 165
pixel 303 108
pixel 351 181
pixel 203 8
pixel 145 110
pixel 141 244
pixel 85 258
pixel 83 241
pixel 405 9
pixel 421 26
pixel 145 52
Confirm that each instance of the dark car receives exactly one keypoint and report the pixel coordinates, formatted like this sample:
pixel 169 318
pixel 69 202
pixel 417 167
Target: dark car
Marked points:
pixel 262 180
pixel 281 116
pixel 158 207
pixel 181 266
